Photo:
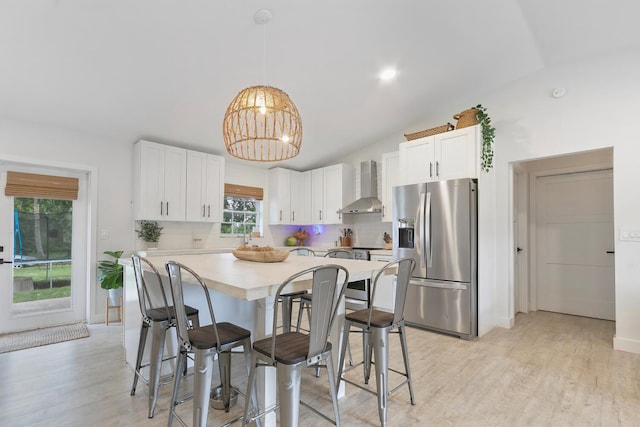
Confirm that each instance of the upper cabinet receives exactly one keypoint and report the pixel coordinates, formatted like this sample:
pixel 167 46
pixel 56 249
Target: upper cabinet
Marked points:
pixel 331 190
pixel 289 197
pixel 448 155
pixel 390 178
pixel 159 182
pixel 301 197
pixel 175 184
pixel 205 187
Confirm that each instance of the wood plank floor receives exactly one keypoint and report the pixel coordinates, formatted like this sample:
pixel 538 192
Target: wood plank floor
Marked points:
pixel 548 370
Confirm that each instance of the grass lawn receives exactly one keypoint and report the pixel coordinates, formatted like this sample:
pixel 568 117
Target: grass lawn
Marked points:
pixel 40 273
pixel 42 294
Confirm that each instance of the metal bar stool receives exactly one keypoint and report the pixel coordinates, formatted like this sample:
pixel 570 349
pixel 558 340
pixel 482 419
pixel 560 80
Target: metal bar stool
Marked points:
pixel 157 315
pixel 288 299
pixel 376 326
pixel 289 352
pixel 305 299
pixel 206 342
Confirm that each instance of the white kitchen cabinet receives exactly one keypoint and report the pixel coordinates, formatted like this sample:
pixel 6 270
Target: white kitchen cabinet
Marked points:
pixel 390 178
pixel 301 198
pixel 448 155
pixel 205 187
pixel 159 182
pixel 279 196
pixel 331 190
pixel 289 197
pixel 385 295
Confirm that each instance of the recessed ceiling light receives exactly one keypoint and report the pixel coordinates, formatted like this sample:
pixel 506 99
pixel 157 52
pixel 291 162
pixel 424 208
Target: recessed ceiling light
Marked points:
pixel 388 74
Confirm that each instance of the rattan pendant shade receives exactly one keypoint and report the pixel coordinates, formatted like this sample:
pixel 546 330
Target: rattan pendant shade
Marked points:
pixel 262 124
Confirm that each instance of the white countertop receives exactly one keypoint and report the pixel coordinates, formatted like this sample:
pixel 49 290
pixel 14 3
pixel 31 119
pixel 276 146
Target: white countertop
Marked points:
pixel 249 280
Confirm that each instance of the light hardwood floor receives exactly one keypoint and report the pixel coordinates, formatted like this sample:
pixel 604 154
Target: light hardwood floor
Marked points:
pixel 549 370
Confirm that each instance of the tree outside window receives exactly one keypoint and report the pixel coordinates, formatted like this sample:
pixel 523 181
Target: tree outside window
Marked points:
pixel 240 216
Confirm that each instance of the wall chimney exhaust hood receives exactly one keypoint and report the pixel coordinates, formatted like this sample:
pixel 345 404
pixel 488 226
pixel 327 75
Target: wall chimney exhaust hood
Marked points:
pixel 368 201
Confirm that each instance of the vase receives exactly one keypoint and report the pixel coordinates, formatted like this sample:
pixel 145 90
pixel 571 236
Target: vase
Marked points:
pixel 115 296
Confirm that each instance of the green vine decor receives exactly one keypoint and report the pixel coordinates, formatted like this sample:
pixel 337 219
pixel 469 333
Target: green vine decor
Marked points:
pixel 488 133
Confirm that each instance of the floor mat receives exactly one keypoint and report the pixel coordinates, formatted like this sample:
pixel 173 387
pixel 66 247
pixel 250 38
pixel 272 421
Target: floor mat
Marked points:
pixel 37 337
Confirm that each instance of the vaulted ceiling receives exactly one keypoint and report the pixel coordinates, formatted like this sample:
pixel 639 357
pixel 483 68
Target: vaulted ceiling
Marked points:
pixel 166 70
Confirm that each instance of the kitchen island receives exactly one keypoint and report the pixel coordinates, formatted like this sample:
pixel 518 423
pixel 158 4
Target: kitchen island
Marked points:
pixel 243 292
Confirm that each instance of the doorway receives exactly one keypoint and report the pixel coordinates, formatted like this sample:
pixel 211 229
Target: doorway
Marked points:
pixel 44 246
pixel 567 222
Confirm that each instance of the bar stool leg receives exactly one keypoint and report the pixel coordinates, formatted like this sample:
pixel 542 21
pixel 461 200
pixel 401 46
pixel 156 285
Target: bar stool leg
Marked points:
pixel 251 405
pixel 381 354
pixel 202 385
pixel 405 356
pixel 158 334
pixel 182 359
pixel 141 343
pixel 367 350
pixel 333 389
pixel 224 365
pixel 286 304
pixel 289 379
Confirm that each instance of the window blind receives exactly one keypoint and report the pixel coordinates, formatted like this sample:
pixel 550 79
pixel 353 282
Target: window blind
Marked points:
pixel 235 190
pixel 22 184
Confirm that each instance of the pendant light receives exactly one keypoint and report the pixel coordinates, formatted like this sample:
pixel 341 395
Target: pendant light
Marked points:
pixel 262 123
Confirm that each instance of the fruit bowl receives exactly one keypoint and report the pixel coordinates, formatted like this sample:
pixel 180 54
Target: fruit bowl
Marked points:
pixel 260 254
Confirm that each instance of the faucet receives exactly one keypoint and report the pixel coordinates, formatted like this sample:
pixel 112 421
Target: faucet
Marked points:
pixel 244 240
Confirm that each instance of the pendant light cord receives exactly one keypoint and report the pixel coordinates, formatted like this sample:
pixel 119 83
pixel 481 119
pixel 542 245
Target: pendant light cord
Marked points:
pixel 264 53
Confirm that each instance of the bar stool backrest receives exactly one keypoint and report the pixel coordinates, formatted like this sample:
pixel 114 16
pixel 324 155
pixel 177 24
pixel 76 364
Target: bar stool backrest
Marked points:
pixel 339 253
pixel 182 325
pixel 303 252
pixel 327 290
pixel 145 298
pixel 404 267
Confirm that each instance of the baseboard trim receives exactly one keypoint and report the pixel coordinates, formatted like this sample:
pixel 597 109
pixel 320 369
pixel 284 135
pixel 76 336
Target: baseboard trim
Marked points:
pixel 625 344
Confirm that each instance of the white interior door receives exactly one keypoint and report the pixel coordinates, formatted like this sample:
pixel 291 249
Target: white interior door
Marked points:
pixel 31 281
pixel 575 266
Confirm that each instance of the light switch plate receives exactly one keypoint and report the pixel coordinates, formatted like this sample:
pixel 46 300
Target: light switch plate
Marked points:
pixel 629 235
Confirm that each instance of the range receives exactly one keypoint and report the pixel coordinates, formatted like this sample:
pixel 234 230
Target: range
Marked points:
pixel 358 293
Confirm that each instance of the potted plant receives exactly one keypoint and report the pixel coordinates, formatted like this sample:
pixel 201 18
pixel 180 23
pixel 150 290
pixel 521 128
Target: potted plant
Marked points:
pixel 150 232
pixel 111 276
pixel 488 133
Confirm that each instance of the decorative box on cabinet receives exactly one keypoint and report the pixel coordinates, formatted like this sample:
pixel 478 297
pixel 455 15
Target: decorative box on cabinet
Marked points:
pixel 331 190
pixel 390 178
pixel 205 187
pixel 448 155
pixel 159 182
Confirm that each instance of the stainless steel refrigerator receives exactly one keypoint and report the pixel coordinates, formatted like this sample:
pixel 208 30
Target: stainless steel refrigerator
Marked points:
pixel 436 224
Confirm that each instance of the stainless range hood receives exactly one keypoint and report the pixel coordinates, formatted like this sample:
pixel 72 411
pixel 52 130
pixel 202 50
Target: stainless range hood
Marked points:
pixel 368 201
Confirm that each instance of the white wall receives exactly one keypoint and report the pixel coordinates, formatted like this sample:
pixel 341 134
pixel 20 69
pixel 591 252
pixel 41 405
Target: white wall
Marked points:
pixel 598 111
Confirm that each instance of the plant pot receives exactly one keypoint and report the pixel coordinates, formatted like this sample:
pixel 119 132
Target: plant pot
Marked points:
pixel 115 296
pixel 152 246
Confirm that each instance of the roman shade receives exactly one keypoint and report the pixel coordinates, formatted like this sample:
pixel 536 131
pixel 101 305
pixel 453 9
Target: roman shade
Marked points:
pixel 234 190
pixel 22 184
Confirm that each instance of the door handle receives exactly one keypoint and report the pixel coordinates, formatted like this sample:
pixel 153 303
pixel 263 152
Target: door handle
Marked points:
pixel 2 261
pixel 611 252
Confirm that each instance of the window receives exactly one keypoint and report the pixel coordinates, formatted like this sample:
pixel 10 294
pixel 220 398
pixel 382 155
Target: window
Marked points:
pixel 241 215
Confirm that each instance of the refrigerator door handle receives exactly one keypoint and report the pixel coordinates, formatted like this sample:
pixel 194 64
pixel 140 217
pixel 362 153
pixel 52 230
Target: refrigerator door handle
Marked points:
pixel 427 231
pixel 419 231
pixel 441 285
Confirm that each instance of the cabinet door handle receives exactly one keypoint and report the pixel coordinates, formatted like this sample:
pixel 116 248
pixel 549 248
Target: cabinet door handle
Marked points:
pixel 437 168
pixel 320 214
pixel 382 211
pixel 430 169
pixel 203 210
pixel 167 208
pixel 161 211
pixel 280 215
pixel 208 211
pixel 293 216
